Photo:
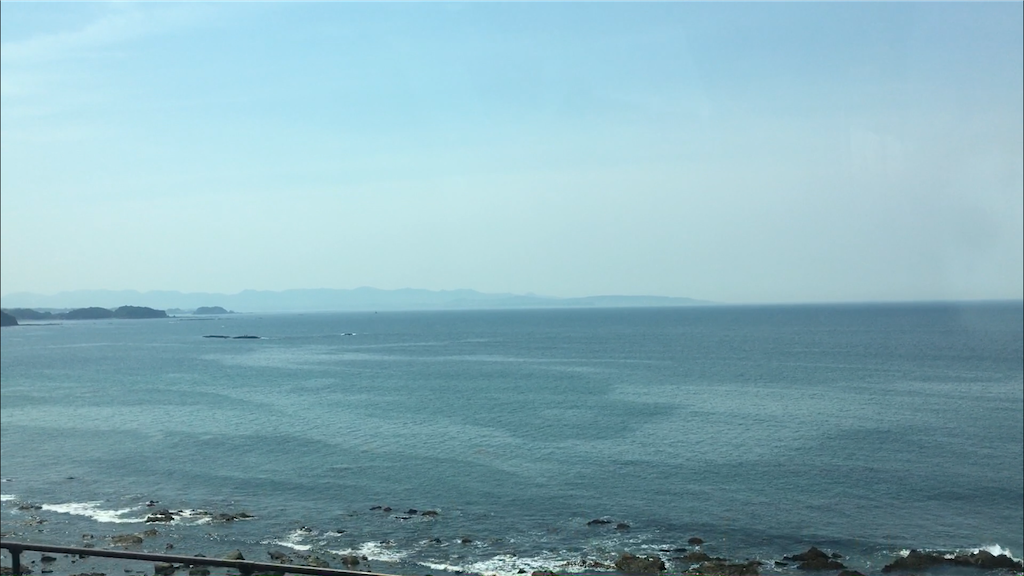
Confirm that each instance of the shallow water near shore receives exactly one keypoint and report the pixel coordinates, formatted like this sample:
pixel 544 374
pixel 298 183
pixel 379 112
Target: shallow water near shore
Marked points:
pixel 867 430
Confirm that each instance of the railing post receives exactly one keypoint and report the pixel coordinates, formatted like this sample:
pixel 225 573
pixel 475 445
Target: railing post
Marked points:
pixel 15 560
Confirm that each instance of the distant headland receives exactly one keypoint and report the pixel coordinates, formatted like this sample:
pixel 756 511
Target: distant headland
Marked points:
pixel 325 300
pixel 89 313
pixel 12 316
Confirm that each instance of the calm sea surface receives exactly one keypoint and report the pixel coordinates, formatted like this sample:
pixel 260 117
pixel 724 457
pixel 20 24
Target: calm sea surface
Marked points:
pixel 867 430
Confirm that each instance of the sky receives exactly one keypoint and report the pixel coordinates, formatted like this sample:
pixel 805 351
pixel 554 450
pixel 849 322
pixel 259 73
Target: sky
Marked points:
pixel 742 153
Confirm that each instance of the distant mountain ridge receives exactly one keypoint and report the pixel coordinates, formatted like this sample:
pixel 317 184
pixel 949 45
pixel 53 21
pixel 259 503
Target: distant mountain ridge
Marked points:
pixel 327 299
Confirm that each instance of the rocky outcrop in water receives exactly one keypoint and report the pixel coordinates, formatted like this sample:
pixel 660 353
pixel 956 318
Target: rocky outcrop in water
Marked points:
pixel 815 559
pixel 721 568
pixel 639 565
pixel 916 561
pixel 7 319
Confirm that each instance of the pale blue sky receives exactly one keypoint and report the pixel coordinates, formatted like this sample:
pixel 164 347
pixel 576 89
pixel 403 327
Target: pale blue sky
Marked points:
pixel 739 153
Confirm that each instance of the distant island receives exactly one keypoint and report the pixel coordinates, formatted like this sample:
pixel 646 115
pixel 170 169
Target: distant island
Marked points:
pixel 329 299
pixel 7 320
pixel 211 310
pixel 89 313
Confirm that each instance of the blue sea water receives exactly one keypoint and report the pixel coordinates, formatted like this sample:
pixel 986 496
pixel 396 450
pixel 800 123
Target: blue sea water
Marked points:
pixel 863 429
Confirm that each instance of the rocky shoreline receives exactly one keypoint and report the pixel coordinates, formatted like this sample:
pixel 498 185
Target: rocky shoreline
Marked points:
pixel 689 560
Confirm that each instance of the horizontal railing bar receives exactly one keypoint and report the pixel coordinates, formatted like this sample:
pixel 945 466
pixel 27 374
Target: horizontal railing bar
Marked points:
pixel 243 565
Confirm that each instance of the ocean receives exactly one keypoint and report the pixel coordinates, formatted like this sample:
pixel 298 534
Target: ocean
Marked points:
pixel 866 430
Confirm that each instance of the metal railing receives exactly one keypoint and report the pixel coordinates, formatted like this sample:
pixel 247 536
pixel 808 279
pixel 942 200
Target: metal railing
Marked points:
pixel 245 567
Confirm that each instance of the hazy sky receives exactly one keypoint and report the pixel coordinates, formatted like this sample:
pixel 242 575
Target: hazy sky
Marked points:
pixel 738 152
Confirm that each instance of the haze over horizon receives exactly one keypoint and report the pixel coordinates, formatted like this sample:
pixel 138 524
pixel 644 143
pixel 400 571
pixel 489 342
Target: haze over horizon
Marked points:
pixel 738 153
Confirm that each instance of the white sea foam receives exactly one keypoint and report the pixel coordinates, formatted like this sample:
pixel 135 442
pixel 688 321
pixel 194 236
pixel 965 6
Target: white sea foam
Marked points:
pixel 374 551
pixel 6 497
pixel 293 541
pixel 995 550
pixel 505 565
pixel 93 510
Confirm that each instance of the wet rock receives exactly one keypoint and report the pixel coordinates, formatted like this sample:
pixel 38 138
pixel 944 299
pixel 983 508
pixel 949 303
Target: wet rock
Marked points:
pixel 467 540
pixel 280 557
pixel 168 546
pixel 29 507
pixel 631 564
pixel 126 540
pixel 429 513
pixel 412 511
pixel 813 553
pixel 376 507
pixel 46 559
pixel 821 564
pixel 989 561
pixel 915 560
pixel 698 556
pixel 234 555
pixel 350 560
pixel 847 572
pixel 622 526
pixel 386 509
pixel 88 537
pixel 695 541
pixel 163 515
pixel 317 562
pixel 598 522
pixel 164 569
pixel 719 568
pixel 149 533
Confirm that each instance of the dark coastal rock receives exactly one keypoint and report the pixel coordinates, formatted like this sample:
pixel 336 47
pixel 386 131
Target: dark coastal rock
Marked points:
pixel 598 522
pixel 29 507
pixel 375 507
pixel 245 337
pixel 813 553
pixel 149 533
pixel 234 555
pixel 126 540
pixel 412 511
pixel 350 560
pixel 163 515
pixel 989 561
pixel 429 513
pixel 915 560
pixel 631 564
pixel 316 562
pixel 719 568
pixel 280 557
pixel 698 556
pixel 821 564
pixel 845 572
pixel 46 559
pixel 164 569
pixel 386 509
pixel 695 541
pixel 622 526
pixel 467 540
